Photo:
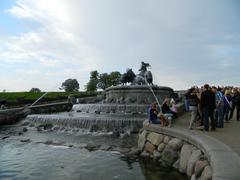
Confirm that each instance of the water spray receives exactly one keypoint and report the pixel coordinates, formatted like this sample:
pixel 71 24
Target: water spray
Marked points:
pixel 153 93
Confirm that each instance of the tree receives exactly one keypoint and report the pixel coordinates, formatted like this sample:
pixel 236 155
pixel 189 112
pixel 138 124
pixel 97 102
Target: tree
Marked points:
pixel 70 85
pixel 92 84
pixel 106 80
pixel 103 81
pixel 114 78
pixel 35 90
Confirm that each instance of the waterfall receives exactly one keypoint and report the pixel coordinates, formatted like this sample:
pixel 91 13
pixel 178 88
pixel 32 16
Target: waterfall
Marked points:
pixel 92 122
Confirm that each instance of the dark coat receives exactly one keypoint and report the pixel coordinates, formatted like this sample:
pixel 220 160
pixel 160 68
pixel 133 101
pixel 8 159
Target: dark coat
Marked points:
pixel 208 100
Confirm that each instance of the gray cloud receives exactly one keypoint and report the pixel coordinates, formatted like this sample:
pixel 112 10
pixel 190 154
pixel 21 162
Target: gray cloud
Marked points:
pixel 186 42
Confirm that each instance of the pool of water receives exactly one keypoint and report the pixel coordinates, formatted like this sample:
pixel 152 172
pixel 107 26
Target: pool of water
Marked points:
pixel 69 160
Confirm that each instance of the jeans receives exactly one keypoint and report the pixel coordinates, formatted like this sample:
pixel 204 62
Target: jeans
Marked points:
pixel 208 113
pixel 194 111
pixel 155 121
pixel 226 112
pixel 238 112
pixel 186 103
pixel 219 116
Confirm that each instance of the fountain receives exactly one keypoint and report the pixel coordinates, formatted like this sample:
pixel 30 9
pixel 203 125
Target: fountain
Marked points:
pixel 123 107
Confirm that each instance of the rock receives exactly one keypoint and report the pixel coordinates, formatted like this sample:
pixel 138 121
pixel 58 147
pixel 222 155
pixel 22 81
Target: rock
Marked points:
pixel 97 112
pixel 142 140
pixel 176 164
pixel 57 143
pixel 124 135
pixel 175 143
pixel 48 126
pixel 193 177
pixel 145 154
pixel 25 129
pixel 25 140
pixel 31 125
pixel 25 123
pixel 195 156
pixel 156 155
pixel 169 156
pixel 163 163
pixel 199 167
pixel 146 123
pixel 155 138
pixel 105 148
pixel 20 133
pixel 206 174
pixel 5 137
pixel 161 146
pixel 149 147
pixel 92 147
pixel 121 150
pixel 134 152
pixel 56 128
pixel 166 139
pixel 185 153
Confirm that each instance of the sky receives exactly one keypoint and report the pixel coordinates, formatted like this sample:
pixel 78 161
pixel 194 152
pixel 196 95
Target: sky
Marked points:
pixel 187 42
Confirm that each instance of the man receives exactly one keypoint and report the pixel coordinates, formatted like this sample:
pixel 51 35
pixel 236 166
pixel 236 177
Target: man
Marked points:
pixel 235 104
pixel 219 102
pixel 207 103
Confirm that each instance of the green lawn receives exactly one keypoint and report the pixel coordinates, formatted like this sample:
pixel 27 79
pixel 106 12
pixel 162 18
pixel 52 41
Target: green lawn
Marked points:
pixel 20 98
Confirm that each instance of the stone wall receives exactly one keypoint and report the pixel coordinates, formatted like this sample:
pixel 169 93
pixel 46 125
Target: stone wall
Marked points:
pixel 175 153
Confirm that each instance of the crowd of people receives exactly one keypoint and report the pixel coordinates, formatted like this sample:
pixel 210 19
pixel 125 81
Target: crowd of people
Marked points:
pixel 210 107
pixel 216 104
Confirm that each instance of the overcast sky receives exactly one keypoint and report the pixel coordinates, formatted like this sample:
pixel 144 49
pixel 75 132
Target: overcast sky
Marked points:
pixel 187 42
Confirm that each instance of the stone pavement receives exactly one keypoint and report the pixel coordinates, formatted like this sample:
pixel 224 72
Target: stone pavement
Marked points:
pixel 229 135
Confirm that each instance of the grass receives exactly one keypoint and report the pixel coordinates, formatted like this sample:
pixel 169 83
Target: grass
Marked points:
pixel 20 98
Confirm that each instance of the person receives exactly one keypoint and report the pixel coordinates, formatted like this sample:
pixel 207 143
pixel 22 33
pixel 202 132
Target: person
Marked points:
pixel 155 117
pixel 153 112
pixel 193 107
pixel 166 108
pixel 208 105
pixel 227 104
pixel 3 105
pixel 173 106
pixel 235 104
pixel 219 103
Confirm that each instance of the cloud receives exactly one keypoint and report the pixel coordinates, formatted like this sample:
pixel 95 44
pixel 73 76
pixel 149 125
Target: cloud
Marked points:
pixel 186 42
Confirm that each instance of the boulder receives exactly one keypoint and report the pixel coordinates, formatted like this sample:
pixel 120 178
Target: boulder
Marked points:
pixel 175 143
pixel 161 147
pixel 169 156
pixel 195 156
pixel 199 167
pixel 176 164
pixel 206 174
pixel 142 140
pixel 156 155
pixel 185 153
pixel 145 154
pixel 193 177
pixel 166 139
pixel 25 140
pixel 149 147
pixel 155 138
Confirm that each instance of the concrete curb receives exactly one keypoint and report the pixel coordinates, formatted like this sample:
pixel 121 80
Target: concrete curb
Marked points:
pixel 224 161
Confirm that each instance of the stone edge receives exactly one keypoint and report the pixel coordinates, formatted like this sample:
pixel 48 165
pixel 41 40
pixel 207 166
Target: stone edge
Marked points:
pixel 224 161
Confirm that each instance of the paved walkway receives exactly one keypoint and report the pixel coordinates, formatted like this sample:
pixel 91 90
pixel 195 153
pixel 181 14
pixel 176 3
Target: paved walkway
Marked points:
pixel 229 135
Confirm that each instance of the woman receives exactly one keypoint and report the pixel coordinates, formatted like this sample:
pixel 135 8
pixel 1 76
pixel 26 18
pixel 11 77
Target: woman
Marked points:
pixel 193 107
